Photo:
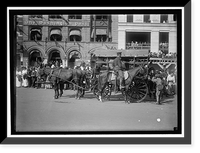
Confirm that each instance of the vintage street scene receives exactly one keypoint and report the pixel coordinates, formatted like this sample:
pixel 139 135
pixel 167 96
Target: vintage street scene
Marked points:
pixel 96 72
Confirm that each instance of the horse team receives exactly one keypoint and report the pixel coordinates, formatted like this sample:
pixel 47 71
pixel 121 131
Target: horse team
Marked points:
pixel 85 79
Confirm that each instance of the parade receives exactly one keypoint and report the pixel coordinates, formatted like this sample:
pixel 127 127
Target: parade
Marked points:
pixel 157 83
pixel 96 72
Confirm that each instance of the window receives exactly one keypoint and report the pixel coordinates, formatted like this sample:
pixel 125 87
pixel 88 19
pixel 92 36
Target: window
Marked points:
pixel 163 18
pixel 36 34
pixel 101 17
pixel 74 16
pixel 55 34
pixel 75 35
pixel 129 17
pixel 101 35
pixel 147 18
pixel 35 16
pixel 164 42
pixel 55 16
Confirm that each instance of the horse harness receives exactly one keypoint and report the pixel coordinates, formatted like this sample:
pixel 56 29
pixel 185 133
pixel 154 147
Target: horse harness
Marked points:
pixel 51 73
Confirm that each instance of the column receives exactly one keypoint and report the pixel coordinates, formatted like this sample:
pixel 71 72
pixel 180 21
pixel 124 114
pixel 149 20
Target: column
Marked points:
pixel 121 39
pixel 66 63
pixel 154 41
pixel 172 42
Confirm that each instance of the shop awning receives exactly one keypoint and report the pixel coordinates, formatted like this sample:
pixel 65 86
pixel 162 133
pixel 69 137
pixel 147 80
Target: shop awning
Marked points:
pixel 125 53
pixel 76 54
pixel 36 30
pixel 55 32
pixel 75 32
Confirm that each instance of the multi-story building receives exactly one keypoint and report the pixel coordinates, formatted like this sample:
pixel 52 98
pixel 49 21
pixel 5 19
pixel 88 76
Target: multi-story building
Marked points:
pixel 66 38
pixel 150 31
pixel 19 40
pixel 73 38
pixel 155 32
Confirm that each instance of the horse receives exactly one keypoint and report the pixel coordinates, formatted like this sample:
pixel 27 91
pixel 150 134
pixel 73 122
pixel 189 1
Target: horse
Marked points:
pixel 58 76
pixel 105 79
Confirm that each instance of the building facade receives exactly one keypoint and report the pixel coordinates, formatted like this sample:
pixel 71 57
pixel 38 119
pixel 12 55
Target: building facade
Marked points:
pixel 66 38
pixel 73 38
pixel 156 32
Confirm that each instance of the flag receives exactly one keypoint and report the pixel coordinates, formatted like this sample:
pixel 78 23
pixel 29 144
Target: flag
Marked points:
pixel 67 21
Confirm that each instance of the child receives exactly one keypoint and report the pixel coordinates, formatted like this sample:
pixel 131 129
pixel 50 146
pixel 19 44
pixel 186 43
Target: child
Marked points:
pixel 159 87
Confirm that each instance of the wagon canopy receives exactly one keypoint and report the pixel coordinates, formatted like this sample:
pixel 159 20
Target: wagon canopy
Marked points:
pixel 125 53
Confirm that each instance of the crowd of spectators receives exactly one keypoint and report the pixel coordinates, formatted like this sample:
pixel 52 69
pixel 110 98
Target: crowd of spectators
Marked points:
pixel 26 77
pixel 162 54
pixel 137 45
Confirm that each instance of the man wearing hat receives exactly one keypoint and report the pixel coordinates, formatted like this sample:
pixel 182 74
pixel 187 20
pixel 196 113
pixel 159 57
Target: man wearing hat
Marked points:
pixel 117 66
pixel 159 87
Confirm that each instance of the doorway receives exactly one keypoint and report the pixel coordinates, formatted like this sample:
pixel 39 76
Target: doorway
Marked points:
pixel 54 56
pixel 35 58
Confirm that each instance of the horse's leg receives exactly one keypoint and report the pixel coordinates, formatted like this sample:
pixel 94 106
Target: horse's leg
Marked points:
pixel 101 92
pixel 56 90
pixel 77 90
pixel 61 87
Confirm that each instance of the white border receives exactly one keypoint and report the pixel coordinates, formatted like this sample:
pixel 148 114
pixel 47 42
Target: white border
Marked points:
pixel 85 136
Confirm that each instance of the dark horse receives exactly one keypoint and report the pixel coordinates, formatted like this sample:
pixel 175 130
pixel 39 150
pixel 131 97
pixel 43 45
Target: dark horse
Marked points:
pixel 59 76
pixel 105 78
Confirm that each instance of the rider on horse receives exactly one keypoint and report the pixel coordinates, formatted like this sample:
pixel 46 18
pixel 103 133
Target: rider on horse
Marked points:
pixel 118 67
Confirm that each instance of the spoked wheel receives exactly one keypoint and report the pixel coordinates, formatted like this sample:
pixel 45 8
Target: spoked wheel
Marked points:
pixel 137 91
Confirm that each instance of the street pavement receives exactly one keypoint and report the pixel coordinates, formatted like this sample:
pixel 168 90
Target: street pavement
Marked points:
pixel 37 110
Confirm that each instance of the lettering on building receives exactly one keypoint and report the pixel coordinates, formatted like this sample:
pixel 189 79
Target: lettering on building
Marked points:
pixel 57 23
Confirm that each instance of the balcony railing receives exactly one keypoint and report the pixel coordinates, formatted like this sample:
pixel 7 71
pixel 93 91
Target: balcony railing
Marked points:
pixel 138 46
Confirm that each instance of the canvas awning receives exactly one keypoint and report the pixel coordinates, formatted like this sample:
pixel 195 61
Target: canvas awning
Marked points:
pixel 75 32
pixel 75 53
pixel 55 32
pixel 125 53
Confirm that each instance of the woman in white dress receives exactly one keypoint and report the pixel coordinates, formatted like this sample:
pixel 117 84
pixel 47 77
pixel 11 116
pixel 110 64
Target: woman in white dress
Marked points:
pixel 24 78
pixel 18 78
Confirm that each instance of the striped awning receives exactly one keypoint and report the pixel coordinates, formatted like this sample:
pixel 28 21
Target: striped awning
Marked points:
pixel 75 32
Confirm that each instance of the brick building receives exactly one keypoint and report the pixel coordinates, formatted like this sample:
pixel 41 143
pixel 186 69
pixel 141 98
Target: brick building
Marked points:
pixel 68 39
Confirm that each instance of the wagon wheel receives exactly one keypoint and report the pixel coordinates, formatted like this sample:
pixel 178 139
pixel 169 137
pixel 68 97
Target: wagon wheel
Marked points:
pixel 137 91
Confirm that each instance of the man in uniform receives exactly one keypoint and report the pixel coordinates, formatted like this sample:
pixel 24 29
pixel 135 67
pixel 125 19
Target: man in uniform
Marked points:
pixel 118 67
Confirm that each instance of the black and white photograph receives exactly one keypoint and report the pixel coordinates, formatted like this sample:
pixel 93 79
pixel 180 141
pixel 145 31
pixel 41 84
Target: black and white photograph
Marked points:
pixel 81 72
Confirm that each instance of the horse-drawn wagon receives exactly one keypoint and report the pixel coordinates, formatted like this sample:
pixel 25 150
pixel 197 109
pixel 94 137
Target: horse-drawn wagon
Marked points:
pixel 135 74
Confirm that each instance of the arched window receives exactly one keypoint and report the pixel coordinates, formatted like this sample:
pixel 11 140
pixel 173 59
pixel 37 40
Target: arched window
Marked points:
pixel 75 35
pixel 55 34
pixel 36 34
